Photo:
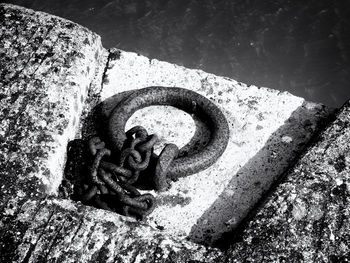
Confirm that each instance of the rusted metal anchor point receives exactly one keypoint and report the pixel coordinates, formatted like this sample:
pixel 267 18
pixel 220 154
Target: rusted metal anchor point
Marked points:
pixel 114 172
pixel 168 165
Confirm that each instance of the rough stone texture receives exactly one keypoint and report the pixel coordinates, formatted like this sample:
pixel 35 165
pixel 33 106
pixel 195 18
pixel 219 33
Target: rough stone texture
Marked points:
pixel 307 218
pixel 268 129
pixel 51 71
pixel 63 231
pixel 47 65
pixel 45 78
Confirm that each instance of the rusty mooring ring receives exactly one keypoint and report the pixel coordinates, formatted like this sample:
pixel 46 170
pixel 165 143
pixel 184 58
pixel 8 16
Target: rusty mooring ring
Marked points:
pixel 183 99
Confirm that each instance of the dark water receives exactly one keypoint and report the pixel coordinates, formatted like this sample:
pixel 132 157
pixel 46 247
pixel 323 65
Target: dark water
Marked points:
pixel 299 46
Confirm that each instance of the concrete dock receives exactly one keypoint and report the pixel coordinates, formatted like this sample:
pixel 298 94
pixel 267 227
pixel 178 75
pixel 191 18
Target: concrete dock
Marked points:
pixel 53 75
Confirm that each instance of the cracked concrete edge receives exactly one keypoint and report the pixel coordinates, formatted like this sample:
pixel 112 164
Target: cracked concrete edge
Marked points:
pixel 46 95
pixel 306 218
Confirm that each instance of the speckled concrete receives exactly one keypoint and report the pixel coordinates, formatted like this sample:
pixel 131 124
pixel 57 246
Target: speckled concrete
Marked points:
pixel 268 129
pixel 307 217
pixel 45 78
pixel 64 231
pixel 47 66
pixel 51 75
pixel 51 71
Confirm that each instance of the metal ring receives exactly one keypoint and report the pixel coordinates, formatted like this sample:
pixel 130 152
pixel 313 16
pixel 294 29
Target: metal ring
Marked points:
pixel 183 99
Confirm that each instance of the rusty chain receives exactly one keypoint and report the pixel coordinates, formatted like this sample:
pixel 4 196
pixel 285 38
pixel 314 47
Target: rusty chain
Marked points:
pixel 115 172
pixel 115 181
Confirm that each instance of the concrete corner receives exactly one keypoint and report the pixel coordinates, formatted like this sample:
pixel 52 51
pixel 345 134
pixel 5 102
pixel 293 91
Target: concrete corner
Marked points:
pixel 306 218
pixel 268 130
pixel 55 74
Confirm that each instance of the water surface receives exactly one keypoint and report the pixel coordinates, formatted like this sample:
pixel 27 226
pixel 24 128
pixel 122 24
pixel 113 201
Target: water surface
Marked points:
pixel 298 46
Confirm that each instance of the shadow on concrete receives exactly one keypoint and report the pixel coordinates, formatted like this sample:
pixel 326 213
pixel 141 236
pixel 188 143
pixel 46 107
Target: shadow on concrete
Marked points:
pixel 253 181
pixel 249 185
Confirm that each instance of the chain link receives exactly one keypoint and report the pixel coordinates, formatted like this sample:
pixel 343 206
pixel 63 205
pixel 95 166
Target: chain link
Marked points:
pixel 168 154
pixel 112 183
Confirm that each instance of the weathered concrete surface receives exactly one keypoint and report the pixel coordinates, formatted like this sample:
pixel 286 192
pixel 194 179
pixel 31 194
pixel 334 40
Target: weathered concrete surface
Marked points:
pixel 268 129
pixel 51 71
pixel 307 217
pixel 63 231
pixel 47 66
pixel 60 79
